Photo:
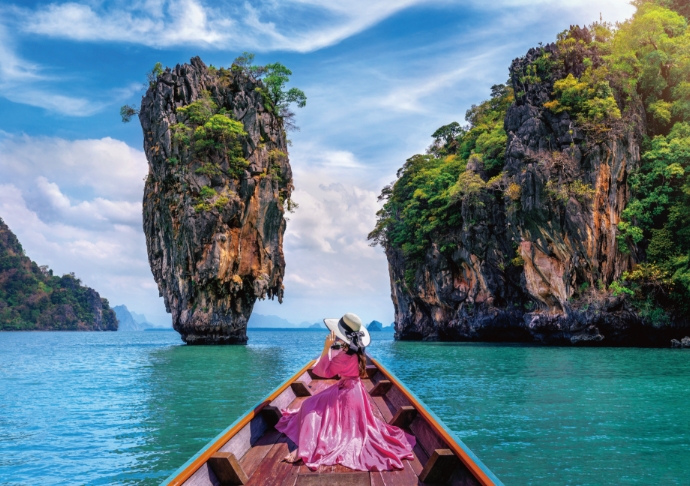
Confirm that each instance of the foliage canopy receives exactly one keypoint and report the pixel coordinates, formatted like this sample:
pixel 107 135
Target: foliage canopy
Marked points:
pixel 600 76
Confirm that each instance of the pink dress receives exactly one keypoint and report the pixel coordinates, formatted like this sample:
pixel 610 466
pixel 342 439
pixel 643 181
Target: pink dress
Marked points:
pixel 337 426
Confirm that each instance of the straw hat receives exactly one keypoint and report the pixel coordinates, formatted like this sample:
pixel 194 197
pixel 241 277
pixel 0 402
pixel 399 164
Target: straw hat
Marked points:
pixel 349 328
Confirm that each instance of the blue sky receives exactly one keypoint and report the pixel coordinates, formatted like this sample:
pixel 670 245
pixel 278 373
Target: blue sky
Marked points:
pixel 380 77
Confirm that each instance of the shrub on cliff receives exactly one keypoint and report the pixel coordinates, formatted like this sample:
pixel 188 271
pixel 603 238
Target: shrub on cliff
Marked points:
pixel 424 202
pixel 272 79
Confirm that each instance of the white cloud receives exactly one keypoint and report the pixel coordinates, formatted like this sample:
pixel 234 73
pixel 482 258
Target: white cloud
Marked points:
pixel 260 27
pixel 110 168
pixel 19 81
pixel 330 265
pixel 409 94
pixel 293 25
pixel 76 207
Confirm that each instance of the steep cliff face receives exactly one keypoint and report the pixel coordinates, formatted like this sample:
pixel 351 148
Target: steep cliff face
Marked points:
pixel 33 299
pixel 218 179
pixel 532 250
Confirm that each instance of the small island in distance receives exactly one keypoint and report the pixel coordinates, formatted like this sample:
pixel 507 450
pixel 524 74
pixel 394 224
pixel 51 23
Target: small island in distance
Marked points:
pixel 259 321
pixel 131 321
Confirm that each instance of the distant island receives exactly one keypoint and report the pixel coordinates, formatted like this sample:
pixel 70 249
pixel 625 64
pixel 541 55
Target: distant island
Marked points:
pixel 131 321
pixel 33 299
pixel 375 326
pixel 258 321
pixel 261 321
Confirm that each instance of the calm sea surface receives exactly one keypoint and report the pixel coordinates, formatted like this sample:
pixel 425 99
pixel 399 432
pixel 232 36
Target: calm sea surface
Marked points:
pixel 129 408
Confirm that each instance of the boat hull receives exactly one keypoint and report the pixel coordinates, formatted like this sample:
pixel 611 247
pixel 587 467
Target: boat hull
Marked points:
pixel 250 451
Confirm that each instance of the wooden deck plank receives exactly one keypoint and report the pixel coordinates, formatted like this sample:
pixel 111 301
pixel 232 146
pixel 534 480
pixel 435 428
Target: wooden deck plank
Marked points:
pixel 303 469
pixel 391 406
pixel 251 460
pixel 376 479
pixel 273 471
pixel 262 448
pixel 335 469
pixel 400 477
pixel 383 408
pixel 253 457
pixel 358 478
pixel 377 412
pixel 197 463
pixel 421 459
pixel 339 469
pixel 291 477
pixel 296 403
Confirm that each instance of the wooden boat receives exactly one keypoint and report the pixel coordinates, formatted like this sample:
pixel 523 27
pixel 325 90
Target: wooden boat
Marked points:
pixel 250 451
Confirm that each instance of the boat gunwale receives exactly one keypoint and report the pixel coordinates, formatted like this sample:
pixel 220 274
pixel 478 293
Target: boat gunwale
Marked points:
pixel 482 473
pixel 476 467
pixel 186 470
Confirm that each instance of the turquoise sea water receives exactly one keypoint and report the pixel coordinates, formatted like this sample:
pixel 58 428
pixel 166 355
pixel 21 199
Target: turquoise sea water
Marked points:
pixel 129 408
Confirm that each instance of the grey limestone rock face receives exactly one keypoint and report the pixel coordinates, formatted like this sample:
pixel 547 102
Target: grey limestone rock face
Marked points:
pixel 214 227
pixel 474 293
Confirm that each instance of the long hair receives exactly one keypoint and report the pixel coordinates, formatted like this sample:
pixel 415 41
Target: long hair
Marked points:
pixel 361 361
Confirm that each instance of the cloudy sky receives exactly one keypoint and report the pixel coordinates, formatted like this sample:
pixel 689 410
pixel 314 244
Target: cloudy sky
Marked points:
pixel 380 77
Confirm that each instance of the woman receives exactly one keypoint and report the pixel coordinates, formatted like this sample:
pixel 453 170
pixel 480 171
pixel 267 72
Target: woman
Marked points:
pixel 337 426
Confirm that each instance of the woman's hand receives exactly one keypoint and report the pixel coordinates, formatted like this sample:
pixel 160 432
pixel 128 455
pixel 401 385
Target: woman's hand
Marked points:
pixel 330 339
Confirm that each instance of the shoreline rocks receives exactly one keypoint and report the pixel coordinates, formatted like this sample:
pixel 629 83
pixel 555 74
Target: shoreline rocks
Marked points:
pixel 683 343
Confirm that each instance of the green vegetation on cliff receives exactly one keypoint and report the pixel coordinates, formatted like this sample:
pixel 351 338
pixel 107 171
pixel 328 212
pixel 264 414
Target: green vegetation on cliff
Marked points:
pixel 32 298
pixel 651 55
pixel 608 79
pixel 423 202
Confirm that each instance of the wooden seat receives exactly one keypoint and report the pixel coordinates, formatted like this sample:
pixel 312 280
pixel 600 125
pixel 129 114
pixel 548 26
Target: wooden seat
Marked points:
pixel 227 469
